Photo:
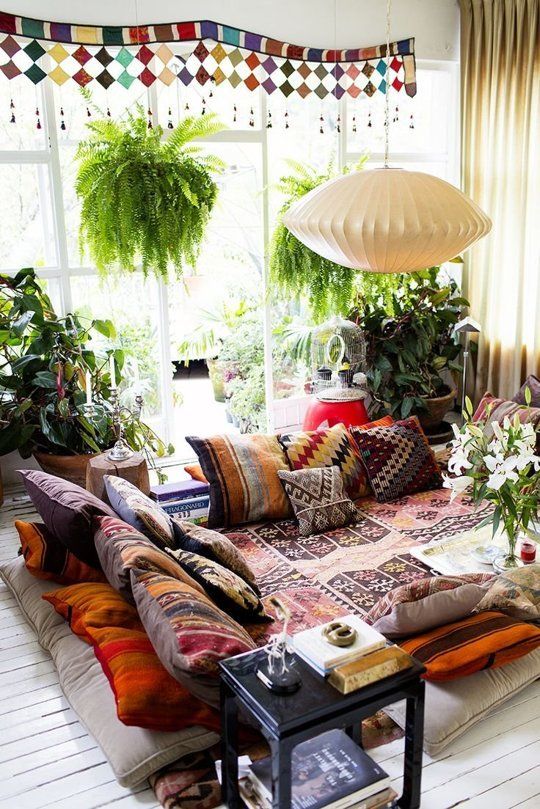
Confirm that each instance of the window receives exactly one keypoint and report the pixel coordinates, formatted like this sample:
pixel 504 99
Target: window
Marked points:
pixel 40 223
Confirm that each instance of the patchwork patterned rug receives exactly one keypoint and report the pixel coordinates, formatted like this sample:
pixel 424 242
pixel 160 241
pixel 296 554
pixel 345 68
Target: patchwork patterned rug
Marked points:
pixel 321 577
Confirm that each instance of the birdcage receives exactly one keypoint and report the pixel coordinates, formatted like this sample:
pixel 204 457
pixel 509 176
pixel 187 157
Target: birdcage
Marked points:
pixel 338 354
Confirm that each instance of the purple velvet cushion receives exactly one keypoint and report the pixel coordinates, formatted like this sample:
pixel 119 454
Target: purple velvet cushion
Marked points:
pixel 67 511
pixel 533 383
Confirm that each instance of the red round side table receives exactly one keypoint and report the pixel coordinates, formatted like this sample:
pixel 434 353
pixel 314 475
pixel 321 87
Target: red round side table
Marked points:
pixel 327 407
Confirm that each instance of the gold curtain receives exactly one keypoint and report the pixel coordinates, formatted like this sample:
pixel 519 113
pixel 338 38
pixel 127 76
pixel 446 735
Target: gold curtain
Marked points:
pixel 500 58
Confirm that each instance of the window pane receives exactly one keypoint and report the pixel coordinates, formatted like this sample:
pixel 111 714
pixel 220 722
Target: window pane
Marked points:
pixel 426 131
pixel 217 314
pixel 21 133
pixel 26 235
pixel 304 143
pixel 117 100
pixel 131 303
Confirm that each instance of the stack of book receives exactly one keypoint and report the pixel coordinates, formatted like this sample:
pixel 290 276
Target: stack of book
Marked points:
pixel 187 499
pixel 348 668
pixel 328 771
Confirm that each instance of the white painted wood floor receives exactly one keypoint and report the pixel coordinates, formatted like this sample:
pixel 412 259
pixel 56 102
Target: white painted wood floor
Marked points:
pixel 48 760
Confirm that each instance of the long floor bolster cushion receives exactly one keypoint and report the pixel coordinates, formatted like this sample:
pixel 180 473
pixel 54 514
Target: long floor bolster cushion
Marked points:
pixel 133 753
pixel 454 707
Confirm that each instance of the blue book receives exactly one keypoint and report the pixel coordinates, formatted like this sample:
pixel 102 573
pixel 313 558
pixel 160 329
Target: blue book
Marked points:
pixel 188 505
pixel 165 492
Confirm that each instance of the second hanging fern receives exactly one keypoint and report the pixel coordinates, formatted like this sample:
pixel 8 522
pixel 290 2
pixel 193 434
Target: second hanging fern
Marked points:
pixel 145 199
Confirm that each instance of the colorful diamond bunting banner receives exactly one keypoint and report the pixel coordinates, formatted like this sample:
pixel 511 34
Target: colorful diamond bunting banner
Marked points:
pixel 196 52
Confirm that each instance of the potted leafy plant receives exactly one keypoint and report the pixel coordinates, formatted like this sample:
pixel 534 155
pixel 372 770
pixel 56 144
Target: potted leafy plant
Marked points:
pixel 411 345
pixel 297 271
pixel 46 363
pixel 145 198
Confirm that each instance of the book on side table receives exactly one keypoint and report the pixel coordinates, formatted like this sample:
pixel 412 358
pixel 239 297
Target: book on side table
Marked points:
pixel 349 668
pixel 328 771
pixel 317 652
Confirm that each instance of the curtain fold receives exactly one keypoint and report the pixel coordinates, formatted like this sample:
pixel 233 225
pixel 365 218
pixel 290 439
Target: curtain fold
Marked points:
pixel 500 99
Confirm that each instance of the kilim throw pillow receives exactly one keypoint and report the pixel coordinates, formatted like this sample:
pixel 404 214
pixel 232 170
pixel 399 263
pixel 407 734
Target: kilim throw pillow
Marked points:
pixel 215 546
pixel 493 409
pixel 121 548
pixel 225 588
pixel 139 511
pixel 242 473
pixel 46 558
pixel 484 641
pixel 417 590
pixel 398 460
pixel 316 449
pixel 318 500
pixel 189 633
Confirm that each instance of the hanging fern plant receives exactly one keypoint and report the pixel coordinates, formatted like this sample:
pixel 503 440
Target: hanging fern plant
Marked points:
pixel 295 269
pixel 145 200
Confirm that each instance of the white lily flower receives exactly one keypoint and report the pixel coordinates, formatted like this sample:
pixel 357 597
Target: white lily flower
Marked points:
pixel 496 480
pixel 457 485
pixel 496 427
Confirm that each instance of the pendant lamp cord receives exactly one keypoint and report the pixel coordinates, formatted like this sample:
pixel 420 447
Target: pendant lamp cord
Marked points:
pixel 387 87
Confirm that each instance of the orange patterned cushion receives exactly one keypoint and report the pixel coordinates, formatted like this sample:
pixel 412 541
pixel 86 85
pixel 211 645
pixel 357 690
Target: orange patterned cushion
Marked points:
pixel 146 695
pixel 46 558
pixel 487 640
pixel 242 473
pixel 316 449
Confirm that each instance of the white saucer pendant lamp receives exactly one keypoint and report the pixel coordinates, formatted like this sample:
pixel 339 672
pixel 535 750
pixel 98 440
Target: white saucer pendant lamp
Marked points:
pixel 387 220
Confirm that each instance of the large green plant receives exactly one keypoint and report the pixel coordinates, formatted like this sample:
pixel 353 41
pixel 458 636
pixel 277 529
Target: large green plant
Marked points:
pixel 145 198
pixel 44 360
pixel 411 343
pixel 295 269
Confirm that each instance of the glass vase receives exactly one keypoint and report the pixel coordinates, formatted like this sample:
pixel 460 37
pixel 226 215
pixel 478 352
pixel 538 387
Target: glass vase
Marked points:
pixel 508 560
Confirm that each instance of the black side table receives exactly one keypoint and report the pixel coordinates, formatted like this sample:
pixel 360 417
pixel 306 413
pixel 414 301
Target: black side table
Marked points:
pixel 316 707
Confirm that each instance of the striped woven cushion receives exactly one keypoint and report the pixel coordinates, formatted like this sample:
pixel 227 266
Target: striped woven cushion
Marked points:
pixel 46 558
pixel 487 640
pixel 493 409
pixel 189 633
pixel 242 473
pixel 145 693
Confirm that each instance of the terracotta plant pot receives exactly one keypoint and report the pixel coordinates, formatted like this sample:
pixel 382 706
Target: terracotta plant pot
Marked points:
pixel 68 467
pixel 436 410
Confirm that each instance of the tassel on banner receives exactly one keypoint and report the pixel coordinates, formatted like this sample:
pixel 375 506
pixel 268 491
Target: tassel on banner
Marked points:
pixel 12 119
pixel 170 124
pixel 38 122
pixel 286 116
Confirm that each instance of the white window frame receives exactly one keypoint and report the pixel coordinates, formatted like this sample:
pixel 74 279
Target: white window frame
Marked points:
pixel 282 413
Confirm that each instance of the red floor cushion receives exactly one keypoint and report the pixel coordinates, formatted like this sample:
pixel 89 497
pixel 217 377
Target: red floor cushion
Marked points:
pixel 146 695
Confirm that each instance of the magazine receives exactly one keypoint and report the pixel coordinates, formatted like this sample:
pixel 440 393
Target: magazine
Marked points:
pixel 461 553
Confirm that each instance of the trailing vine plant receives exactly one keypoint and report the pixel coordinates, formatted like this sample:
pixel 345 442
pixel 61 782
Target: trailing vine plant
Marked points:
pixel 296 270
pixel 145 199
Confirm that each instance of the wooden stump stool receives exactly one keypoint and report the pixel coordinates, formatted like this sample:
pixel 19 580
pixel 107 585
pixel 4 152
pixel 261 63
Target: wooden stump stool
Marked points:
pixel 133 469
